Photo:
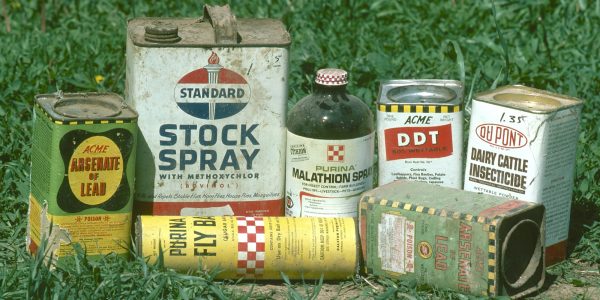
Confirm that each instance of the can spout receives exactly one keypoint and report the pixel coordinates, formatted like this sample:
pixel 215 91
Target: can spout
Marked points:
pixel 522 253
pixel 162 33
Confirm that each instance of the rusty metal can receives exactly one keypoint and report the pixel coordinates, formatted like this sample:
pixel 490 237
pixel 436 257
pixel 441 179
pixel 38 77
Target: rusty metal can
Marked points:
pixel 420 131
pixel 82 173
pixel 522 145
pixel 252 247
pixel 212 98
pixel 470 242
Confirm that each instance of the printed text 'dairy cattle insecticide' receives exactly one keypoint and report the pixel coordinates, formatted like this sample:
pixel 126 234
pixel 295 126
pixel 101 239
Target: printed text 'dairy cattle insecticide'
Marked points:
pixel 82 174
pixel 420 130
pixel 211 94
pixel 522 145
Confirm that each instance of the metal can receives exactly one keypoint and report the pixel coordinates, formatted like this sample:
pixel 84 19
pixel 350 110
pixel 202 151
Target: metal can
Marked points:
pixel 82 173
pixel 470 242
pixel 522 145
pixel 420 131
pixel 212 97
pixel 252 247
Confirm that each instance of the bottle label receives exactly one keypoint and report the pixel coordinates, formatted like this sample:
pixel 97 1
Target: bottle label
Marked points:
pixel 327 177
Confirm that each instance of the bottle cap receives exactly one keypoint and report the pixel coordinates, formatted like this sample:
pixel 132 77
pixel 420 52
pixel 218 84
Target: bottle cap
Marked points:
pixel 332 77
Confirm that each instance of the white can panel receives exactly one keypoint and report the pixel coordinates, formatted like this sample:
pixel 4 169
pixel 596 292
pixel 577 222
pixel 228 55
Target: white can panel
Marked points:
pixel 212 125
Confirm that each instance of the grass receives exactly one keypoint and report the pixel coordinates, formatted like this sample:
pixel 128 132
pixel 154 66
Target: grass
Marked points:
pixel 547 44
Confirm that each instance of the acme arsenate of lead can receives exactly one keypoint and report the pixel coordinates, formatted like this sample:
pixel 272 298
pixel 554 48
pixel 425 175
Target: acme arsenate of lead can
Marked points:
pixel 82 174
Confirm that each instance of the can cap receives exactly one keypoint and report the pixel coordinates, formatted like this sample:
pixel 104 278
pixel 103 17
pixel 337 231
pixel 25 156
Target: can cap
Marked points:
pixel 161 32
pixel 332 77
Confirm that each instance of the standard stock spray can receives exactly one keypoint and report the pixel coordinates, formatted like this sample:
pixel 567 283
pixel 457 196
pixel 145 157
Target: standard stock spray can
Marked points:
pixel 212 98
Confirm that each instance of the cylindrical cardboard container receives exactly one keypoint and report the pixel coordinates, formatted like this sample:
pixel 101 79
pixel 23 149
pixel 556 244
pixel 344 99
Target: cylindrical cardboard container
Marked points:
pixel 252 247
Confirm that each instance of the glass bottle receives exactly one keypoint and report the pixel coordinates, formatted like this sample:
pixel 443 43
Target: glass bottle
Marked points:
pixel 330 145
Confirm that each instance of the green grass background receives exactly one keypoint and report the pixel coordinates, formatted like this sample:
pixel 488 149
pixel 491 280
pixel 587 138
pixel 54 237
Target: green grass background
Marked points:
pixel 547 44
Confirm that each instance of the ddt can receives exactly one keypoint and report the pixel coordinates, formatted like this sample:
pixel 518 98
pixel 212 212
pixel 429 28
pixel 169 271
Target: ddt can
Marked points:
pixel 449 238
pixel 522 145
pixel 212 98
pixel 420 131
pixel 252 247
pixel 82 174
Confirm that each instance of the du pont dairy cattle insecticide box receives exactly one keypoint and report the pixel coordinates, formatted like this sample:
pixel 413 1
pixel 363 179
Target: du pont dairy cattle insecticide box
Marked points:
pixel 470 242
pixel 82 174
pixel 212 98
pixel 522 145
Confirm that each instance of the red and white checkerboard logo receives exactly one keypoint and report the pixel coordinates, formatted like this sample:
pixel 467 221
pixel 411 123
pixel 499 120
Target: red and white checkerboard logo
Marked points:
pixel 335 153
pixel 251 247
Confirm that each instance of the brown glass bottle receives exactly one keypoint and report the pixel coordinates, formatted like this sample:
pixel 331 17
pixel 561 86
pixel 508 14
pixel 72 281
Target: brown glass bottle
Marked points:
pixel 330 145
pixel 330 112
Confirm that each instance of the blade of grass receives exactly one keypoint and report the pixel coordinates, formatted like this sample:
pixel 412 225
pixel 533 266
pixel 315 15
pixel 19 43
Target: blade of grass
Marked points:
pixel 503 43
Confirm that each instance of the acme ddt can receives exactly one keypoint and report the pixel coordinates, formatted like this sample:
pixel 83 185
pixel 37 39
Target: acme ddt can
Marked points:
pixel 82 173
pixel 252 247
pixel 470 242
pixel 212 97
pixel 420 131
pixel 522 145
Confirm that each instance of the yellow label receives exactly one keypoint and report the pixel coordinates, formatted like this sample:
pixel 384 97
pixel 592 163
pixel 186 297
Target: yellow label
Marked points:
pixel 253 247
pixel 34 226
pixel 95 170
pixel 99 234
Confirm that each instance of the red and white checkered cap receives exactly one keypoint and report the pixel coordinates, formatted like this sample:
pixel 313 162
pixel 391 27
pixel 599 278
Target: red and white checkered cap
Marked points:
pixel 332 77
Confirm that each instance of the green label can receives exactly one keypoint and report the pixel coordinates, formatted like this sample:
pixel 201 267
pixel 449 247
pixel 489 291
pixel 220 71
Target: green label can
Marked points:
pixel 82 173
pixel 473 243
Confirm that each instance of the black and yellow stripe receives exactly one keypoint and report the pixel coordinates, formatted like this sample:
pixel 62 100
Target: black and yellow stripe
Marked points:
pixel 492 263
pixel 419 108
pixel 490 228
pixel 92 122
pixel 428 210
pixel 83 121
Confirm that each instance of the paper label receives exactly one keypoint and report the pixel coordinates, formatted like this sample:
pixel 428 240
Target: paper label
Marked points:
pixel 396 244
pixel 326 177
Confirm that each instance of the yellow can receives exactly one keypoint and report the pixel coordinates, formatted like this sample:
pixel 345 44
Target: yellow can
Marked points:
pixel 252 247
